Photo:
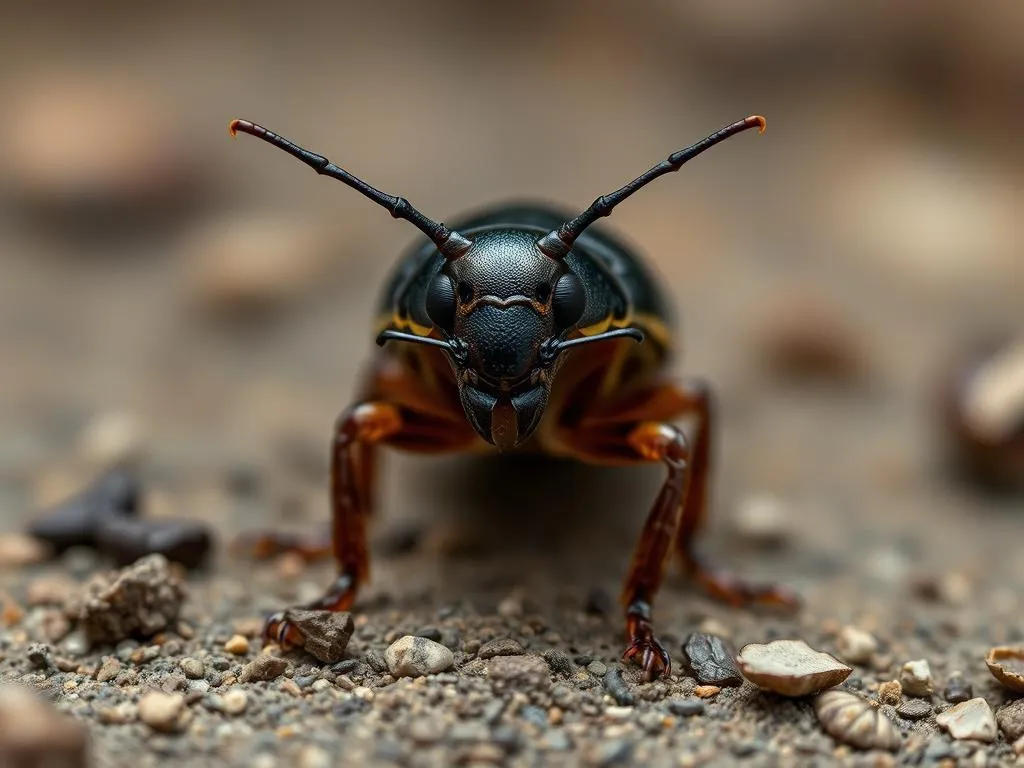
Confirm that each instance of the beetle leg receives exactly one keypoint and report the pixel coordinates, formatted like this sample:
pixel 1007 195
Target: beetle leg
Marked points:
pixel 720 584
pixel 357 434
pixel 654 441
pixel 263 545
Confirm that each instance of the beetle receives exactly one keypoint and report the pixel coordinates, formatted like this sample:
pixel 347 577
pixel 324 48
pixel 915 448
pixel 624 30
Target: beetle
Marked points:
pixel 526 328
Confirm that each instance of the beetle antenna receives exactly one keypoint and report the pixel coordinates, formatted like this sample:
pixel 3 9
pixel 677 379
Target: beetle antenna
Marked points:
pixel 555 347
pixel 391 335
pixel 558 242
pixel 450 243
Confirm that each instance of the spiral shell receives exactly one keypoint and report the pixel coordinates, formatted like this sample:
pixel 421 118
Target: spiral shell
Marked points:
pixel 855 721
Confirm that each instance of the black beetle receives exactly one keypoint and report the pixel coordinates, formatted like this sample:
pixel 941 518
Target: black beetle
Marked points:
pixel 519 330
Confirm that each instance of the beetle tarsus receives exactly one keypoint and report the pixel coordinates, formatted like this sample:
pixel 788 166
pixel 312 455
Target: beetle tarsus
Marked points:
pixel 644 648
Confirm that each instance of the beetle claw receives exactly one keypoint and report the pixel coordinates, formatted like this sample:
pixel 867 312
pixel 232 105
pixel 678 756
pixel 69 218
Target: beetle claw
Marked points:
pixel 277 629
pixel 653 658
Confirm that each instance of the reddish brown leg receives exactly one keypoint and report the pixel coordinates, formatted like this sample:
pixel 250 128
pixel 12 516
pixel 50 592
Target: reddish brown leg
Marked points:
pixel 358 431
pixel 263 545
pixel 718 583
pixel 654 441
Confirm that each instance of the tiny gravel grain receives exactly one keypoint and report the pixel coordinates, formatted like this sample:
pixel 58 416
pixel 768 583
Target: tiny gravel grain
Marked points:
pixel 237 645
pixel 617 688
pixel 162 711
pixel 264 667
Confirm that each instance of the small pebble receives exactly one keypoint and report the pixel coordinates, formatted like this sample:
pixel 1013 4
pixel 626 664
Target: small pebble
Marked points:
pixel 916 678
pixel 852 720
pixel 426 730
pixel 855 645
pixel 614 752
pixel 617 688
pixel 706 691
pixel 686 707
pixel 958 689
pixel 193 668
pixel 791 667
pixel 890 692
pixel 559 662
pixel 39 656
pixel 416 656
pixel 263 668
pixel 325 633
pixel 237 645
pixel 501 646
pixel 1006 663
pixel 597 668
pixel 142 599
pixel 710 660
pixel 162 712
pixel 234 702
pixel 914 709
pixel 1011 720
pixel 18 550
pixel 970 720
pixel 108 670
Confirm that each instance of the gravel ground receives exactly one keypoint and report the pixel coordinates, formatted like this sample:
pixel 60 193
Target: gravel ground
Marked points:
pixel 826 280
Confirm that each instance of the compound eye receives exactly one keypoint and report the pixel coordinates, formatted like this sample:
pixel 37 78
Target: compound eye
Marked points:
pixel 441 302
pixel 570 301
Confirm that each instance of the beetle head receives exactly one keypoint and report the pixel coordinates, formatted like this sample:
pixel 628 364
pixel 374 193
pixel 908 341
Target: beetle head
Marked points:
pixel 505 305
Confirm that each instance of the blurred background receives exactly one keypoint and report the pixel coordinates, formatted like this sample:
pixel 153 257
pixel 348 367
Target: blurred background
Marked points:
pixel 208 303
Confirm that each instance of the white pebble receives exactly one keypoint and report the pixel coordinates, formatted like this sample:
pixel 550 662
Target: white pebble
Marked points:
pixel 234 702
pixel 916 678
pixel 972 719
pixel 417 656
pixel 162 711
pixel 855 645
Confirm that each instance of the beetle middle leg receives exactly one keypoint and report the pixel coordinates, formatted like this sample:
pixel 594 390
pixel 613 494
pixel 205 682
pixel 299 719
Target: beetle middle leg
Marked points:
pixel 697 398
pixel 357 434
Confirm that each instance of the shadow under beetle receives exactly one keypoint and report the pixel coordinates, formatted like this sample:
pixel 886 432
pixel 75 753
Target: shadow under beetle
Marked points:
pixel 526 328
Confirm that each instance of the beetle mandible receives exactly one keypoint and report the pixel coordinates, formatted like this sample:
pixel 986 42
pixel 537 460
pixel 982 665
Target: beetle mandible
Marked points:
pixel 518 328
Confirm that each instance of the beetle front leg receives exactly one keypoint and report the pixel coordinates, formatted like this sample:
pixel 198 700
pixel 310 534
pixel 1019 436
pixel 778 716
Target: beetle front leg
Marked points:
pixel 356 433
pixel 654 441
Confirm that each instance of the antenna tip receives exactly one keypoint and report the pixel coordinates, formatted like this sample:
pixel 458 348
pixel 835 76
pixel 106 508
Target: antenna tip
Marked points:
pixel 244 126
pixel 761 122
